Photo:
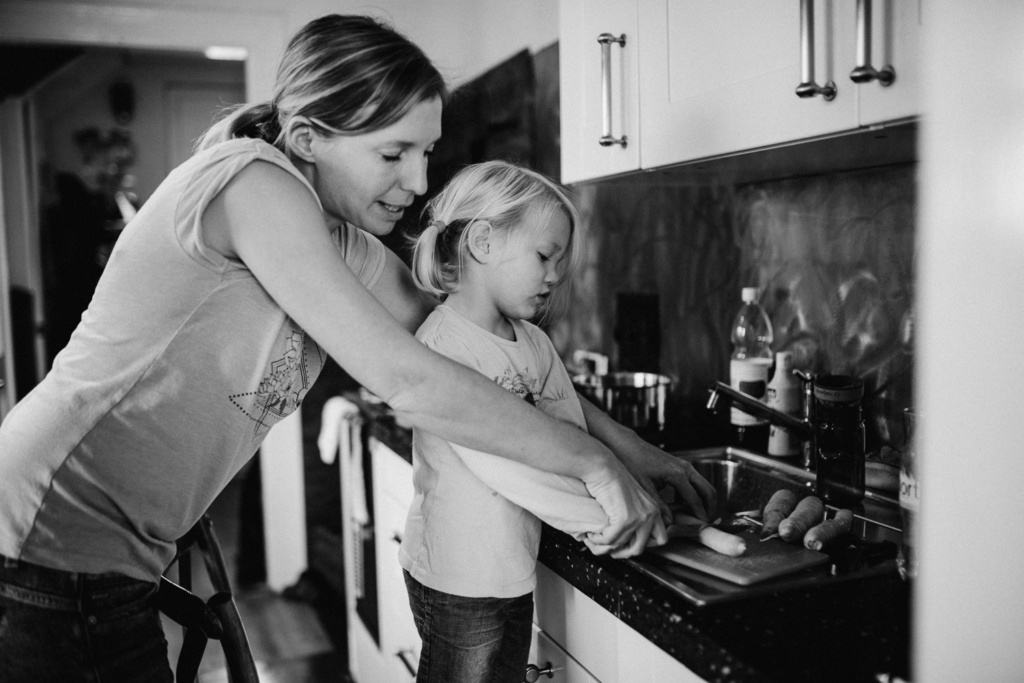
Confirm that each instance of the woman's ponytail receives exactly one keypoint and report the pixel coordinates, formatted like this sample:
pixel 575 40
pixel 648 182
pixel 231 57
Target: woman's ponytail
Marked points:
pixel 245 121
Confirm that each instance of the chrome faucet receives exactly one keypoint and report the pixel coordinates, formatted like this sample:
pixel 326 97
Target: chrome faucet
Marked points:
pixel 801 428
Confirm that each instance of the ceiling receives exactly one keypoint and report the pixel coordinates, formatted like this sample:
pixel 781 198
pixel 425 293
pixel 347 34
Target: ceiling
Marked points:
pixel 26 65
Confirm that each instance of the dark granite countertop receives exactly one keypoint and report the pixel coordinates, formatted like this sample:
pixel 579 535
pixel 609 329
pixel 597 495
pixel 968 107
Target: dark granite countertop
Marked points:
pixel 838 631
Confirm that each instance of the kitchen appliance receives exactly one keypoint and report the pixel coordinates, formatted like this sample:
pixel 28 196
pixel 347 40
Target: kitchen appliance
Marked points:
pixel 357 516
pixel 744 482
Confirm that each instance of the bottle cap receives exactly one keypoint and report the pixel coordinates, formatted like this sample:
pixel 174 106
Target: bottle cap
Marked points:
pixel 784 360
pixel 750 294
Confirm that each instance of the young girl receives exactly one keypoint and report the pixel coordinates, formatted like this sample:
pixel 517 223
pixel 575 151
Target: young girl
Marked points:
pixel 500 240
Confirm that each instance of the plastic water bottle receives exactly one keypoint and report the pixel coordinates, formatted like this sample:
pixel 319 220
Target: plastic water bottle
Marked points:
pixel 748 370
pixel 785 394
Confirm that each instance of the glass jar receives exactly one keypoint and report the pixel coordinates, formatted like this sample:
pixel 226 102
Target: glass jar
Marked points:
pixel 839 439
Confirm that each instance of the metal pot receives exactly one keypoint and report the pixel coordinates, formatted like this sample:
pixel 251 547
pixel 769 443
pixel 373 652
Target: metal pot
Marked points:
pixel 633 399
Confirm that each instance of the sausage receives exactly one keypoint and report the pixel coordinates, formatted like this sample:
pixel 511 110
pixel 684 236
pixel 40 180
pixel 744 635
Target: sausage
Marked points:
pixel 722 542
pixel 687 526
pixel 829 530
pixel 778 508
pixel 808 512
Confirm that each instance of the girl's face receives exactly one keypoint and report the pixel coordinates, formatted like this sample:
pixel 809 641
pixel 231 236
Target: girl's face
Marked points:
pixel 525 271
pixel 370 179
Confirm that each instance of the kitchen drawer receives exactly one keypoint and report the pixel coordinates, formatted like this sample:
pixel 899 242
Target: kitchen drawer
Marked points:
pixel 641 661
pixel 579 625
pixel 548 656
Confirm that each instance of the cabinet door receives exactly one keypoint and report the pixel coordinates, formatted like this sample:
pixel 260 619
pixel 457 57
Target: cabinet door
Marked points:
pixel 581 98
pixel 895 40
pixel 720 77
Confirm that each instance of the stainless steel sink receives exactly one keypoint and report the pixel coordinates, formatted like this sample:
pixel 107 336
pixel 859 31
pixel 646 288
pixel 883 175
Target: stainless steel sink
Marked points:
pixel 745 481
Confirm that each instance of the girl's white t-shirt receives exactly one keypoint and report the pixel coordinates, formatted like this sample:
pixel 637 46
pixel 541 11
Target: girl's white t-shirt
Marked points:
pixel 474 525
pixel 180 366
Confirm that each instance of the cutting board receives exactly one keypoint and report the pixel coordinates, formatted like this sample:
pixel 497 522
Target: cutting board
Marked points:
pixel 762 560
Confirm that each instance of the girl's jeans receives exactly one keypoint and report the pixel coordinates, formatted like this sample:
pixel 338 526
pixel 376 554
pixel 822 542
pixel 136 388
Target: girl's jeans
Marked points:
pixel 470 640
pixel 66 627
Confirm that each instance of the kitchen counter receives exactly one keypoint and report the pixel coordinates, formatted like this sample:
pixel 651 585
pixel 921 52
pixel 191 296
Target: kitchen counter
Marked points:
pixel 834 631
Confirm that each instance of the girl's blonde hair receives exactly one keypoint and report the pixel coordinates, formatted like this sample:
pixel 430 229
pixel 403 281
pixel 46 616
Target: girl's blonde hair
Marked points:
pixel 346 74
pixel 513 200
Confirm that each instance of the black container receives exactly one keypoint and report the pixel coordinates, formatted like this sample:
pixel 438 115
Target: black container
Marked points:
pixel 839 439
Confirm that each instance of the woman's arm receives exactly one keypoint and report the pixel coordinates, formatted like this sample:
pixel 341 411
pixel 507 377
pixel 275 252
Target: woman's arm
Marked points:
pixel 268 219
pixel 398 293
pixel 652 467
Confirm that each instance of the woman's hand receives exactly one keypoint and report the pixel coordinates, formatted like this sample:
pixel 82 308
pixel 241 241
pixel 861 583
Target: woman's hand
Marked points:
pixel 634 514
pixel 652 467
pixel 656 470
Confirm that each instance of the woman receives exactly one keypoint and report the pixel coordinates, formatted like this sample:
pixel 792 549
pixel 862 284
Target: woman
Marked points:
pixel 200 337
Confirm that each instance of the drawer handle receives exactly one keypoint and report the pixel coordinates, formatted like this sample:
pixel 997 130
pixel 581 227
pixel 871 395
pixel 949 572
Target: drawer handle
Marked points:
pixel 405 656
pixel 534 672
pixel 807 87
pixel 606 40
pixel 864 72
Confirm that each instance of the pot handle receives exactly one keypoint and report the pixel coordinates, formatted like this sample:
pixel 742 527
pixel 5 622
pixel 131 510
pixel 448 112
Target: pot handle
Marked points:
pixel 600 362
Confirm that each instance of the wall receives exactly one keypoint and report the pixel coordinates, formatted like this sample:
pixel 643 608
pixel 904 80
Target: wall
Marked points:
pixel 78 99
pixel 969 601
pixel 464 37
pixel 832 254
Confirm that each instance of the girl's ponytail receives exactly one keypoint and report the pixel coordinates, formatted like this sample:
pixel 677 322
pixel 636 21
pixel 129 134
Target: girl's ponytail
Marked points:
pixel 427 264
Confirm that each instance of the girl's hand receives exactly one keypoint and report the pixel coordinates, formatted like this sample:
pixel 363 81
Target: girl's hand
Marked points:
pixel 657 470
pixel 634 515
pixel 653 468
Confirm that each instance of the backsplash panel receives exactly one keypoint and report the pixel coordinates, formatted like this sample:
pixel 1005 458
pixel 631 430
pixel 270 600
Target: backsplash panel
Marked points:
pixel 832 254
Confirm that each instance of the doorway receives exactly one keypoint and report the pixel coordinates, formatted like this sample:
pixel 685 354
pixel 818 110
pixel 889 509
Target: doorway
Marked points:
pixel 104 129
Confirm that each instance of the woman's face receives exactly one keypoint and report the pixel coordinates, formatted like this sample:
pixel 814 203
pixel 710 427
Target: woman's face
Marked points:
pixel 370 179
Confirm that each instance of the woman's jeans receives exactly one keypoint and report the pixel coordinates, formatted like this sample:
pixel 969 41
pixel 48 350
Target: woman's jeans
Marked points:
pixel 470 640
pixel 65 627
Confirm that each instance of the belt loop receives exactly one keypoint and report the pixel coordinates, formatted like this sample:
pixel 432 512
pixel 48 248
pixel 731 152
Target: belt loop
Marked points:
pixel 9 562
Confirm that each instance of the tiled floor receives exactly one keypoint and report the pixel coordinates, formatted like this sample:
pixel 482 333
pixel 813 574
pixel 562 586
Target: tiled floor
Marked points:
pixel 287 639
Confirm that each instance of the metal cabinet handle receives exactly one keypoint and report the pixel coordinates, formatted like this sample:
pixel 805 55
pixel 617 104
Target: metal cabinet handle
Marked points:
pixel 807 87
pixel 606 40
pixel 405 656
pixel 864 72
pixel 534 672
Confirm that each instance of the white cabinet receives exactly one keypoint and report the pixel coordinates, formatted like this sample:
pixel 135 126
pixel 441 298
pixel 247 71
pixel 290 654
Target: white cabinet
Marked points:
pixel 553 663
pixel 720 77
pixel 596 640
pixel 392 495
pixel 896 28
pixel 590 112
pixel 702 79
